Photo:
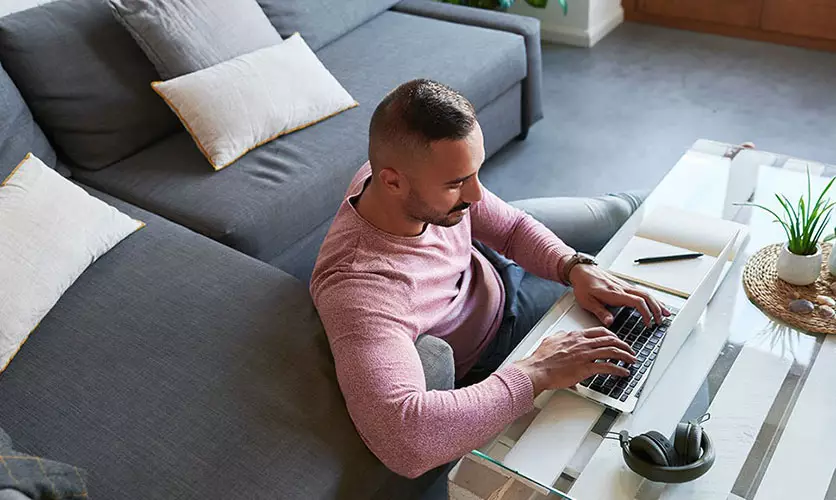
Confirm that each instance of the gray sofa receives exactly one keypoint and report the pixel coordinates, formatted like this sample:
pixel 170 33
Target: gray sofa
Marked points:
pixel 189 362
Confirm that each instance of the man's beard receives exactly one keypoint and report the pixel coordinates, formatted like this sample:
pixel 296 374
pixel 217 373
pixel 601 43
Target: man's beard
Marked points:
pixel 418 210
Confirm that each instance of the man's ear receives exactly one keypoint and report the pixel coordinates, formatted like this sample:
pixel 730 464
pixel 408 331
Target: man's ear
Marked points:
pixel 391 180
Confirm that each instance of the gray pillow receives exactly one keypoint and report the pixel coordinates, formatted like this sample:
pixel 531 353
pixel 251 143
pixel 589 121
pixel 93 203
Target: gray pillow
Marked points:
pixel 19 134
pixel 25 476
pixel 321 21
pixel 188 35
pixel 86 81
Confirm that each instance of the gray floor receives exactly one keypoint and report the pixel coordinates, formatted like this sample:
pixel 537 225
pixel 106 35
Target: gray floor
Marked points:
pixel 619 115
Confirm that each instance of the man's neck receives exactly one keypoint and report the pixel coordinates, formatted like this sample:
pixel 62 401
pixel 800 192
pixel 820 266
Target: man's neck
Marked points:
pixel 372 205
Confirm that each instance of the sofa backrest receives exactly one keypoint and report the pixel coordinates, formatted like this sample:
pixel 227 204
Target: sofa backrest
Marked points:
pixel 321 21
pixel 19 134
pixel 85 79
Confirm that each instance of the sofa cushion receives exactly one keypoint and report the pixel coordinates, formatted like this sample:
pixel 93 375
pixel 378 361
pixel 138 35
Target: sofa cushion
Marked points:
pixel 189 35
pixel 175 367
pixel 321 21
pixel 85 79
pixel 280 192
pixel 50 232
pixel 252 99
pixel 19 134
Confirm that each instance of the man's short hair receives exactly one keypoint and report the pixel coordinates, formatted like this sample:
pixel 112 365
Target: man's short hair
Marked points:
pixel 417 113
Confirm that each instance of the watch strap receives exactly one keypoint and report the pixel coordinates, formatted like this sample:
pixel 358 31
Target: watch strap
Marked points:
pixel 578 258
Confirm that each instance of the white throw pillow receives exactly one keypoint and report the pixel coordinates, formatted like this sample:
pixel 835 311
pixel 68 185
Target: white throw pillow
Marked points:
pixel 240 104
pixel 50 231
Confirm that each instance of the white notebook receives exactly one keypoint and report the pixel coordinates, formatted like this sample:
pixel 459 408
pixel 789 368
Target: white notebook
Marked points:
pixel 671 231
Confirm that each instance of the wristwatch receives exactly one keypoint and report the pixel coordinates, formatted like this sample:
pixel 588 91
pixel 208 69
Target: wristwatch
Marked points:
pixel 578 258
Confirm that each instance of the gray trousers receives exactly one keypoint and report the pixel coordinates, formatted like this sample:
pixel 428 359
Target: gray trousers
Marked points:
pixel 585 224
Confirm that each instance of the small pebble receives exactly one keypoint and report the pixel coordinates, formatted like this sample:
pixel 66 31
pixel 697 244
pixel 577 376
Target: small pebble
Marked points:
pixel 825 300
pixel 802 306
pixel 826 312
pixel 798 295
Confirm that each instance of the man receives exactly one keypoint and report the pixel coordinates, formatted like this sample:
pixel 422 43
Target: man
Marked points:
pixel 400 262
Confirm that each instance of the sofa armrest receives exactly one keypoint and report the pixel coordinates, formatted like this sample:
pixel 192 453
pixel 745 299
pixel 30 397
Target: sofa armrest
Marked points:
pixel 527 27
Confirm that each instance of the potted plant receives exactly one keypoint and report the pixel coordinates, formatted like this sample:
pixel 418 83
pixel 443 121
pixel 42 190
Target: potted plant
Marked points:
pixel 799 262
pixel 831 262
pixel 505 4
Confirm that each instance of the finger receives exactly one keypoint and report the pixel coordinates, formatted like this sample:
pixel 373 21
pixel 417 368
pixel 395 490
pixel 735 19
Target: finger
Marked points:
pixel 600 311
pixel 612 341
pixel 653 304
pixel 606 368
pixel 627 286
pixel 598 331
pixel 612 352
pixel 634 301
pixel 641 306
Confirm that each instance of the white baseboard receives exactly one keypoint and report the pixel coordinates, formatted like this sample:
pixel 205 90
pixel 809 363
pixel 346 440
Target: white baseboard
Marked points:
pixel 582 37
pixel 564 34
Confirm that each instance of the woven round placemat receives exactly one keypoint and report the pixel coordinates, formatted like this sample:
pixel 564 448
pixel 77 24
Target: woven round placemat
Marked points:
pixel 773 295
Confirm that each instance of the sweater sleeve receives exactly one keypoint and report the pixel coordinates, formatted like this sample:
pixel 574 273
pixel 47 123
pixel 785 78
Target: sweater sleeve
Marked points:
pixel 518 236
pixel 411 430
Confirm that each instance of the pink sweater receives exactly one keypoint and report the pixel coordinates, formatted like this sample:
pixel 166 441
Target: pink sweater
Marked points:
pixel 377 292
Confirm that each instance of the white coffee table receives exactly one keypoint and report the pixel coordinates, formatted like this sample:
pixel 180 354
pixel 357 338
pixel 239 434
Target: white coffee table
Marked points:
pixel 771 390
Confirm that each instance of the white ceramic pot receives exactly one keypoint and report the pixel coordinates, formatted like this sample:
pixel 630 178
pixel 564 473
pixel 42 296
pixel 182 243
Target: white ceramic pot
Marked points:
pixel 831 262
pixel 799 269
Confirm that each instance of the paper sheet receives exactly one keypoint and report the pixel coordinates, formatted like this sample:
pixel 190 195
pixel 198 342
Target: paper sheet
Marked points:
pixel 679 277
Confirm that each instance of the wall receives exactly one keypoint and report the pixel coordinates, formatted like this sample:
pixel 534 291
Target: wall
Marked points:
pixel 586 23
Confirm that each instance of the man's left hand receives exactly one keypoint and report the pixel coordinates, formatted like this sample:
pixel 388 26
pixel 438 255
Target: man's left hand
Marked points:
pixel 595 289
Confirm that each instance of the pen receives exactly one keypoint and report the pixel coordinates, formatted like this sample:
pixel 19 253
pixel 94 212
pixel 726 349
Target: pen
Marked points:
pixel 666 258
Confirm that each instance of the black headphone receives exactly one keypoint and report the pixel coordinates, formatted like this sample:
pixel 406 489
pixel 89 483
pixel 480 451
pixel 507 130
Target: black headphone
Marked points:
pixel 653 456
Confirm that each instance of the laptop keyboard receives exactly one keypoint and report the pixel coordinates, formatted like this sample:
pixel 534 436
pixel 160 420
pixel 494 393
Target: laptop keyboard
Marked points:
pixel 630 327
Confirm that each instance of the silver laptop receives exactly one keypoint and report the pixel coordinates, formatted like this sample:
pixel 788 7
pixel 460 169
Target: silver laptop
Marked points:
pixel 655 347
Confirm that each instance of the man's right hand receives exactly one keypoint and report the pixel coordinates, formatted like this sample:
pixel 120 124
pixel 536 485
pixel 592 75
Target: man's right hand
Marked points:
pixel 566 358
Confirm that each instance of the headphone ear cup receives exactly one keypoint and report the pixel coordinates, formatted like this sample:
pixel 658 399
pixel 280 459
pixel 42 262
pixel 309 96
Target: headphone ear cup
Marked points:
pixel 688 442
pixel 694 443
pixel 680 442
pixel 654 448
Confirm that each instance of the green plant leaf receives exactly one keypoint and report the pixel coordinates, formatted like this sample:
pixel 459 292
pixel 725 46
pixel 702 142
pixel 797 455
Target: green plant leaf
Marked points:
pixel 823 218
pixel 826 189
pixel 792 218
pixel 824 223
pixel 817 217
pixel 541 4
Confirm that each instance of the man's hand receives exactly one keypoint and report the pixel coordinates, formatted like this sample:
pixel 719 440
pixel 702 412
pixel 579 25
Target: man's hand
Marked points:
pixel 595 288
pixel 564 359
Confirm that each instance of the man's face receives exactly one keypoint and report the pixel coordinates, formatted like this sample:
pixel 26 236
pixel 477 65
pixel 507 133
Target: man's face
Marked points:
pixel 444 183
